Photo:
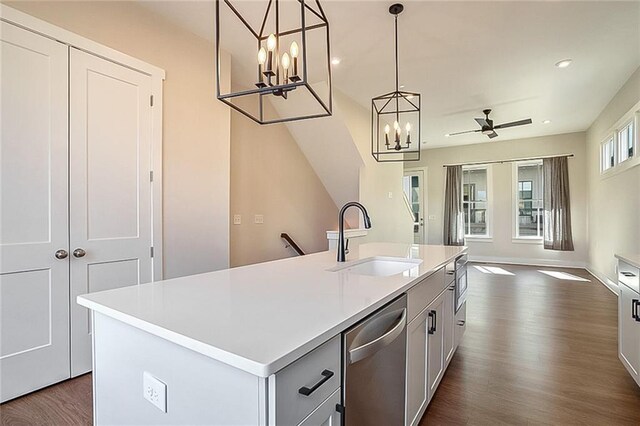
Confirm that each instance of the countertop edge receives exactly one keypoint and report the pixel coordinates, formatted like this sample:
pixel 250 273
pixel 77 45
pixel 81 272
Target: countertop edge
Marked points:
pixel 243 363
pixel 632 260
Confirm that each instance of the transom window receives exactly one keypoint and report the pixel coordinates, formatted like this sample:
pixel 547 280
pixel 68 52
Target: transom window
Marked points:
pixel 529 200
pixel 607 154
pixel 475 201
pixel 626 142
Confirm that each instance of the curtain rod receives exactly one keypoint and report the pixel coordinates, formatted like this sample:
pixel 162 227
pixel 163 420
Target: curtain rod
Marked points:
pixel 477 163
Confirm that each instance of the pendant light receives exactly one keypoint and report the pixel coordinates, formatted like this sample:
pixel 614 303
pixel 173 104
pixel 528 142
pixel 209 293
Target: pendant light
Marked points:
pixel 292 58
pixel 398 110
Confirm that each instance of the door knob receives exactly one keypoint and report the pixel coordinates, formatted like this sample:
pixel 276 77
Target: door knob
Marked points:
pixel 79 252
pixel 61 254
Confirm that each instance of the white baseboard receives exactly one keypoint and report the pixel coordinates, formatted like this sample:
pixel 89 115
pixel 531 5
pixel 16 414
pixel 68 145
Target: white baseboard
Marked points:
pixel 604 280
pixel 529 262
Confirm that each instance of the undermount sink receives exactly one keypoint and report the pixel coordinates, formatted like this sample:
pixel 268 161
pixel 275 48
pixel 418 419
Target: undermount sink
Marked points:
pixel 378 266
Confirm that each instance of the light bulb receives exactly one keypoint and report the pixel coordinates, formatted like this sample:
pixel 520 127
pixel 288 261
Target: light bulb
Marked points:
pixel 408 127
pixel 386 129
pixel 262 56
pixel 271 42
pixel 294 50
pixel 396 126
pixel 285 61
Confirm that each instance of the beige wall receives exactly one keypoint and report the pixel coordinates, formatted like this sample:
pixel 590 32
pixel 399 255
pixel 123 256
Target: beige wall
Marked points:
pixel 502 247
pixel 271 176
pixel 196 126
pixel 391 220
pixel 614 201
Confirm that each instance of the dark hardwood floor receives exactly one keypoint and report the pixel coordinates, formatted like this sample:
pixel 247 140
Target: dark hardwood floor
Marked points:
pixel 538 350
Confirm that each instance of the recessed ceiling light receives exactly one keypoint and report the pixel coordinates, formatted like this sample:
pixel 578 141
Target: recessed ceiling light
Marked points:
pixel 546 122
pixel 447 135
pixel 335 61
pixel 564 63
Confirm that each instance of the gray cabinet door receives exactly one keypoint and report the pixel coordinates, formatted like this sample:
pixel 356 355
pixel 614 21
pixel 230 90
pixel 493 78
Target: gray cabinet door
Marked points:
pixel 448 324
pixel 416 368
pixel 435 343
pixel 629 330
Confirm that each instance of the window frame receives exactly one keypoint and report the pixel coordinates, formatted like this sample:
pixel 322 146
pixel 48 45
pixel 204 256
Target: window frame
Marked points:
pixel 516 237
pixel 487 236
pixel 632 116
pixel 618 141
pixel 610 139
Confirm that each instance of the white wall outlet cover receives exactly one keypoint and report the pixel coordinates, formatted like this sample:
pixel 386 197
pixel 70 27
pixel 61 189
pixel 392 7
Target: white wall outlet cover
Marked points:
pixel 259 218
pixel 432 217
pixel 390 195
pixel 154 391
pixel 237 219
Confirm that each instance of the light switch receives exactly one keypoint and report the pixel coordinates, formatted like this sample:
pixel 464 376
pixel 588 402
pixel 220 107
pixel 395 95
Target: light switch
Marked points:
pixel 432 217
pixel 237 219
pixel 390 195
pixel 259 219
pixel 154 391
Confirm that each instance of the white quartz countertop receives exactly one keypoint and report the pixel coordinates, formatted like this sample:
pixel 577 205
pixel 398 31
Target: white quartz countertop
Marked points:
pixel 262 317
pixel 632 259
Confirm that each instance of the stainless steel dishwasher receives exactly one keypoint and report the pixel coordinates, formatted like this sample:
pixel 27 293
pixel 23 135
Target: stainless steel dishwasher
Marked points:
pixel 374 358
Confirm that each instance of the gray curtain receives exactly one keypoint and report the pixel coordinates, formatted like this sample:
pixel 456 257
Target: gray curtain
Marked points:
pixel 453 234
pixel 557 204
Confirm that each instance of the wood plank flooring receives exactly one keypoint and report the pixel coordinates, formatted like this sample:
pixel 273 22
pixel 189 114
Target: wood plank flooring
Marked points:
pixel 538 350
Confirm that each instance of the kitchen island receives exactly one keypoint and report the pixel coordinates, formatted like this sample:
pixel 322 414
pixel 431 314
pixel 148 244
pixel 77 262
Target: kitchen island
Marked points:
pixel 222 347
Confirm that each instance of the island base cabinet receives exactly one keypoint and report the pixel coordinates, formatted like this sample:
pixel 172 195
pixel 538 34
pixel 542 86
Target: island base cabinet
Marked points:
pixel 460 324
pixel 199 390
pixel 629 330
pixel 326 414
pixel 448 325
pixel 435 343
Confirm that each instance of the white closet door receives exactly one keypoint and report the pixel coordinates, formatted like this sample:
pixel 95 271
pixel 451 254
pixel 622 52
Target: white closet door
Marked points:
pixel 110 199
pixel 34 285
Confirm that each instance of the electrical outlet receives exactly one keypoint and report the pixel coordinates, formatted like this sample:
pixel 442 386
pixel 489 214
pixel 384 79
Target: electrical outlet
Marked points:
pixel 154 391
pixel 237 219
pixel 259 219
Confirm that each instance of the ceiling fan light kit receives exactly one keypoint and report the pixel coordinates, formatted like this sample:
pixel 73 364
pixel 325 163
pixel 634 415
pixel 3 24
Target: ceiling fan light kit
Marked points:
pixel 288 43
pixel 397 110
pixel 487 128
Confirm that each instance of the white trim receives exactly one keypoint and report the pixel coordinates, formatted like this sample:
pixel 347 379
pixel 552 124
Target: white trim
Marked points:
pixel 527 240
pixel 610 285
pixel 529 262
pixel 45 29
pixel 48 30
pixel 478 239
pixel 424 199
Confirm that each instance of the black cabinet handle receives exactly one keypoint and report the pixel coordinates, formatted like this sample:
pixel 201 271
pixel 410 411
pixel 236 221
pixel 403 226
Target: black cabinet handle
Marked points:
pixel 327 374
pixel 634 309
pixel 433 316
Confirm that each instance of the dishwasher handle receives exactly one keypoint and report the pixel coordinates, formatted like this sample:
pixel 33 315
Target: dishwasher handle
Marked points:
pixel 368 349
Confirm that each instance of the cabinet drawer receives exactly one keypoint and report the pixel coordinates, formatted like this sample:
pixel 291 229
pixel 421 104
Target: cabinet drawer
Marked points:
pixel 450 273
pixel 629 276
pixel 326 414
pixel 310 375
pixel 423 293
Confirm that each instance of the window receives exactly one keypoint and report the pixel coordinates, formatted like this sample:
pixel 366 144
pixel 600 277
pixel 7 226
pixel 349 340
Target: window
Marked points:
pixel 529 200
pixel 475 202
pixel 626 136
pixel 607 155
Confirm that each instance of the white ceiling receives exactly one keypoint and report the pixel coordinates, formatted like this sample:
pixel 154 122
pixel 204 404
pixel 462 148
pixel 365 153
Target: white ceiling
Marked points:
pixel 466 56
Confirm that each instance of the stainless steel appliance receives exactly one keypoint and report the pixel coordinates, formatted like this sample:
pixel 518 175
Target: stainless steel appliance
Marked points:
pixel 374 360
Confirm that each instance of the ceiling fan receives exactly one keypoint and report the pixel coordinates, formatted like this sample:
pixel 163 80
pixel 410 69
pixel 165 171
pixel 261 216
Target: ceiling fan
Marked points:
pixel 487 127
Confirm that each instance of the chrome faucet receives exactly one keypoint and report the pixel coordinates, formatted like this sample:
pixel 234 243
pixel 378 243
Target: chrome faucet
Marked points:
pixel 367 224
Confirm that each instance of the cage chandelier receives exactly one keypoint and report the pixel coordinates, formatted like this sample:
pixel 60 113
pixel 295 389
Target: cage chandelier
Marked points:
pixel 288 44
pixel 397 110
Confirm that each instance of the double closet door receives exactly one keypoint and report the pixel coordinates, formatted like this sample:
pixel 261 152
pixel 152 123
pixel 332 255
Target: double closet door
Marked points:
pixel 75 200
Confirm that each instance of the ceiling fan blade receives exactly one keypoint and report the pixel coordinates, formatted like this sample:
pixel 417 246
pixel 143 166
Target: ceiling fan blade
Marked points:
pixel 462 133
pixel 482 122
pixel 492 135
pixel 513 124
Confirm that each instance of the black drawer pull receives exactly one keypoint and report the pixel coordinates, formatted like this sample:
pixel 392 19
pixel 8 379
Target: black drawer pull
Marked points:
pixel 634 309
pixel 308 391
pixel 433 316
